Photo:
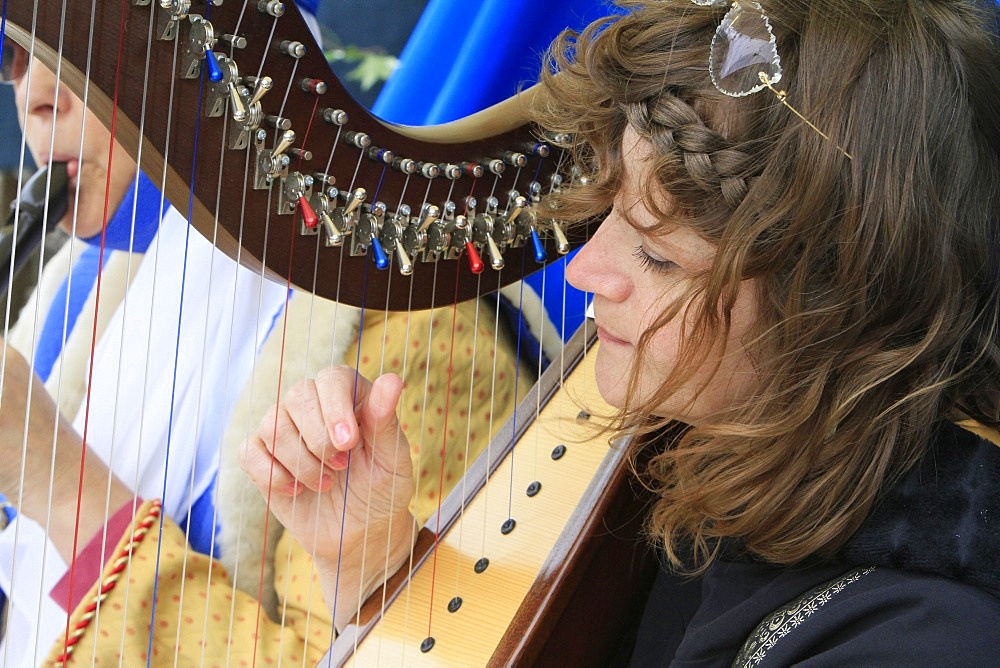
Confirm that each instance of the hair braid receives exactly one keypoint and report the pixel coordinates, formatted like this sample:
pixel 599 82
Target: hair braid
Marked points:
pixel 702 157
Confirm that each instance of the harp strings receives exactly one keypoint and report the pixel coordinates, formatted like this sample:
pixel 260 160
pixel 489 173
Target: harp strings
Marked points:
pixel 251 217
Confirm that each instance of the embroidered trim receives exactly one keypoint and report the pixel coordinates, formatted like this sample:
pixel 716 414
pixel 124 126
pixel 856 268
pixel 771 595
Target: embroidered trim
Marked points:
pixel 783 620
pixel 118 567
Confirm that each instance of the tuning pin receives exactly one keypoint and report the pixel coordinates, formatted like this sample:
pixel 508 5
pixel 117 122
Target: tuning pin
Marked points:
pixel 357 139
pixel 536 241
pixel 473 169
pixel 562 245
pixel 496 259
pixel 538 148
pixel 428 170
pixel 405 263
pixel 335 116
pixel 215 74
pixel 404 165
pixel 476 265
pixel 278 122
pixel 315 86
pixel 495 166
pixel 309 218
pixel 383 155
pixel 379 255
pixel 235 41
pixel 275 8
pixel 324 179
pixel 292 48
pixel 515 159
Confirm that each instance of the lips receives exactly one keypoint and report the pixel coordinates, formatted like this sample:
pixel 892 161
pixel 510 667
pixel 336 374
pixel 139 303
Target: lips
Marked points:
pixel 608 338
pixel 72 169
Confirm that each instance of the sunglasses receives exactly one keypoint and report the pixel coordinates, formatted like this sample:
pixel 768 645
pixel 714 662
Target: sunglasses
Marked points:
pixel 13 61
pixel 744 55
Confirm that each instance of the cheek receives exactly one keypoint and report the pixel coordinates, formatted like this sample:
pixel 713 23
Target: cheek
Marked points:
pixel 97 139
pixel 614 364
pixel 660 359
pixel 611 375
pixel 37 137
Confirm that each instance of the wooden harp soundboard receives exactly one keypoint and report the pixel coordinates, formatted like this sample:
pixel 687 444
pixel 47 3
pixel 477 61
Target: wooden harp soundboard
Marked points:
pixel 280 166
pixel 541 548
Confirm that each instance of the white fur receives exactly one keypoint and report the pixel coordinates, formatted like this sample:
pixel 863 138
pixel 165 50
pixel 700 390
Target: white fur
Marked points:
pixel 313 334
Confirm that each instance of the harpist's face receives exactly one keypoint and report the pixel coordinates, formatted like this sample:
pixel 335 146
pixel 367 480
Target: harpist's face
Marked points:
pixel 635 278
pixel 50 107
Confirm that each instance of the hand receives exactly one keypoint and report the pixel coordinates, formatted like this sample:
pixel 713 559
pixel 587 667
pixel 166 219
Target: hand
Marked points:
pixel 40 459
pixel 335 467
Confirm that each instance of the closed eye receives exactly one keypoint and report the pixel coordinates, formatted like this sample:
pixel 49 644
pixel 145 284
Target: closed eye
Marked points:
pixel 647 261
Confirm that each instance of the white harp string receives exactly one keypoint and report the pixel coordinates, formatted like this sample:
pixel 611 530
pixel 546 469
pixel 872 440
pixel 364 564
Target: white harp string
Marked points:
pixel 230 385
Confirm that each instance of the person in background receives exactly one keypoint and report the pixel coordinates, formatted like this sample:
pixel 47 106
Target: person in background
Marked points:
pixel 797 295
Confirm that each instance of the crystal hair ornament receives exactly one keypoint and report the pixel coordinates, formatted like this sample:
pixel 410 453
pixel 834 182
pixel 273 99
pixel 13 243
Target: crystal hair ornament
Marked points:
pixel 744 55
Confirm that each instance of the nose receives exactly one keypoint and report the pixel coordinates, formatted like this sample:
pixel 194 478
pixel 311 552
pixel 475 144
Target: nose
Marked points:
pixel 599 267
pixel 36 92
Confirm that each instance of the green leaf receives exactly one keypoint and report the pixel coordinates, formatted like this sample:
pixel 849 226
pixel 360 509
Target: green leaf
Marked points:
pixel 374 68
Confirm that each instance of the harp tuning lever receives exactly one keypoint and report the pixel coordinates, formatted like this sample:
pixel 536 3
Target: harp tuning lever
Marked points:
pixel 476 265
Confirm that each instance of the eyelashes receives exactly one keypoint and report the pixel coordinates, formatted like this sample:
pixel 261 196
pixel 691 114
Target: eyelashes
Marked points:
pixel 648 262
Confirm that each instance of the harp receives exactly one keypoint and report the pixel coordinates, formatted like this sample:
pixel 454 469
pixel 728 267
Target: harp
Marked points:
pixel 234 107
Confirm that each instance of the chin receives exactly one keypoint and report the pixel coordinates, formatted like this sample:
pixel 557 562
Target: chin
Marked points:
pixel 66 224
pixel 611 379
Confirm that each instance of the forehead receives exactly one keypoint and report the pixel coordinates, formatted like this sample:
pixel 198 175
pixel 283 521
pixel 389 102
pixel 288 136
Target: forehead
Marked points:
pixel 638 200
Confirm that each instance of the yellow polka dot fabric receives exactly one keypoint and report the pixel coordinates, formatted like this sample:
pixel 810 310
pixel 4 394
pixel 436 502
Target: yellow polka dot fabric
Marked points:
pixel 461 381
pixel 171 606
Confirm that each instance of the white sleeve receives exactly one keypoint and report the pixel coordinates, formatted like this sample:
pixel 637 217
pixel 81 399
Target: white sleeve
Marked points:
pixel 30 566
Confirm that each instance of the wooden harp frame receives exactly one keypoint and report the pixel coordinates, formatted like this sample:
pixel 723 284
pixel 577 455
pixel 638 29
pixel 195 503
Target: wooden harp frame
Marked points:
pixel 145 77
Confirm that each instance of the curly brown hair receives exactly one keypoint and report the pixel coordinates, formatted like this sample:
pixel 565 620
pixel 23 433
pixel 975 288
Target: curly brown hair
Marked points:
pixel 879 276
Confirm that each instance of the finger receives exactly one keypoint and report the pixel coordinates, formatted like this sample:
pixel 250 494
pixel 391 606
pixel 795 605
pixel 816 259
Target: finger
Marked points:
pixel 339 389
pixel 266 473
pixel 292 449
pixel 303 406
pixel 378 412
pixel 380 426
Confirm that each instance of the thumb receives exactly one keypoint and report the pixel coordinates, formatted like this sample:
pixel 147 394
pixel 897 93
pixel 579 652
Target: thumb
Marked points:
pixel 377 416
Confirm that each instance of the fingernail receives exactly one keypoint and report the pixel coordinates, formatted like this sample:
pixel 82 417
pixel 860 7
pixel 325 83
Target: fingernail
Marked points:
pixel 325 483
pixel 294 488
pixel 341 433
pixel 338 460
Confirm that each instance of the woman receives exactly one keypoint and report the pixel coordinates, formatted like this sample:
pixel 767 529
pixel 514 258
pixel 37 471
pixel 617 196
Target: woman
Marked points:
pixel 810 283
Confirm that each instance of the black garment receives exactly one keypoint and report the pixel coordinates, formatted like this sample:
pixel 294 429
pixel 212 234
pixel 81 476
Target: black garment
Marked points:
pixel 932 598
